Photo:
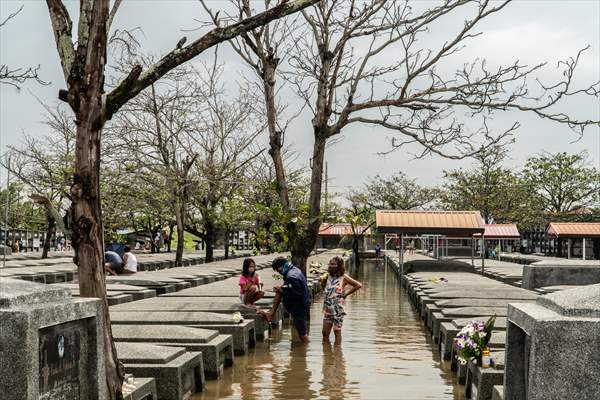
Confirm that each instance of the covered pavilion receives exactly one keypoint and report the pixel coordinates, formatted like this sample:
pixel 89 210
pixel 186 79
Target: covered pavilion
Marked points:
pixel 431 227
pixel 577 231
pixel 330 235
pixel 500 233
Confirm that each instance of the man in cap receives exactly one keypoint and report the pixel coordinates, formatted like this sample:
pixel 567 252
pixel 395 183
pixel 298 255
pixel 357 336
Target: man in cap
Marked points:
pixel 293 293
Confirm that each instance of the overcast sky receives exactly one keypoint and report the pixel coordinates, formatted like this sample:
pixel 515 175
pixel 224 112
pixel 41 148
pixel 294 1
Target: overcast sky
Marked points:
pixel 530 31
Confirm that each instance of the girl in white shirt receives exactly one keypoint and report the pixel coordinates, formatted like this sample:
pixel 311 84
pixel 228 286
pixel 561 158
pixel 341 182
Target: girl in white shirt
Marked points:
pixel 129 261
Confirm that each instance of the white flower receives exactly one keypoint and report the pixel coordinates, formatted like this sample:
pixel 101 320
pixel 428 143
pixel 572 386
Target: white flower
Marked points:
pixel 237 317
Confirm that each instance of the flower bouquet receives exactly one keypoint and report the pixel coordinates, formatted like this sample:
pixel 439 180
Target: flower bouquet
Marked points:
pixel 472 339
pixel 323 280
pixel 315 268
pixel 277 277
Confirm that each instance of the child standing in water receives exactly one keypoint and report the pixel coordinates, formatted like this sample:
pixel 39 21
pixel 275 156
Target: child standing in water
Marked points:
pixel 250 284
pixel 335 295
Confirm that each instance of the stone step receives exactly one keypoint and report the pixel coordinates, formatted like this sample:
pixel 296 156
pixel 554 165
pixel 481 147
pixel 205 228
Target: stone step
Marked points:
pixel 178 373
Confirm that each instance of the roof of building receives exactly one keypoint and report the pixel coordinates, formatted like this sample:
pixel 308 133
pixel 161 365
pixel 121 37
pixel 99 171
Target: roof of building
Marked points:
pixel 501 231
pixel 340 230
pixel 434 222
pixel 573 229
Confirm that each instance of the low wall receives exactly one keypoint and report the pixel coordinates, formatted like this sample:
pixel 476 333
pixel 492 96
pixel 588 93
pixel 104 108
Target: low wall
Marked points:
pixel 436 265
pixel 554 273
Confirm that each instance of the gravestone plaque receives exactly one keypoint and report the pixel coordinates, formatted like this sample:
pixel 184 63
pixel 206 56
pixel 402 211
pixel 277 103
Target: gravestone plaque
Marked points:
pixel 59 354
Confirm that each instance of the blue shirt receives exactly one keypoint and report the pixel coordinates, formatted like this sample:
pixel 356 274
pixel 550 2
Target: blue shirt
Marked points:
pixel 296 298
pixel 113 258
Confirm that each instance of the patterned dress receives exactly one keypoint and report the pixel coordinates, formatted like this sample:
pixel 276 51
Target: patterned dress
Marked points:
pixel 333 304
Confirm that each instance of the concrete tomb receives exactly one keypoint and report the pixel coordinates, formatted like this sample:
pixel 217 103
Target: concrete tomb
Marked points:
pixel 243 332
pixel 217 350
pixel 560 272
pixel 552 347
pixel 178 373
pixel 51 344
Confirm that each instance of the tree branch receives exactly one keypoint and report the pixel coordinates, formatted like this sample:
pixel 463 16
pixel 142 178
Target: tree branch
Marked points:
pixel 120 95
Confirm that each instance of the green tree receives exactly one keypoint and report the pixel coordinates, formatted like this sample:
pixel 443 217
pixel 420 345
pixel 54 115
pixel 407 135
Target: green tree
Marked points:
pixel 361 219
pixel 501 195
pixel 563 181
pixel 398 192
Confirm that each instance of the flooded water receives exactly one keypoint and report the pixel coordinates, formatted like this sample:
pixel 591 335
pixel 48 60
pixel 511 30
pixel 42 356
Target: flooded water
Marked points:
pixel 385 354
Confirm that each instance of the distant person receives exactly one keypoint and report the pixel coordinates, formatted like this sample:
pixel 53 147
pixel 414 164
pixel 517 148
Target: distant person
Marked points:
pixel 293 293
pixel 250 284
pixel 130 261
pixel 113 263
pixel 377 250
pixel 157 240
pixel 334 298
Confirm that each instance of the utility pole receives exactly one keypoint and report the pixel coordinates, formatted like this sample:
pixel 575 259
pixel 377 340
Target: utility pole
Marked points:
pixel 6 211
pixel 326 191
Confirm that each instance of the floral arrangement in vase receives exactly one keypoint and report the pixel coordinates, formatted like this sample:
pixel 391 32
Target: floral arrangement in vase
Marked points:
pixel 473 339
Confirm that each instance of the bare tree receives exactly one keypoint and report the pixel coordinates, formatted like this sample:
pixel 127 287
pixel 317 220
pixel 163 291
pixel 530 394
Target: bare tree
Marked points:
pixel 361 64
pixel 263 51
pixel 17 76
pixel 83 64
pixel 45 165
pixel 155 131
pixel 227 129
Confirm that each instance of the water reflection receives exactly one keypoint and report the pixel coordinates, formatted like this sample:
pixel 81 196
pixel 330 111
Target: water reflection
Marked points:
pixel 333 383
pixel 385 354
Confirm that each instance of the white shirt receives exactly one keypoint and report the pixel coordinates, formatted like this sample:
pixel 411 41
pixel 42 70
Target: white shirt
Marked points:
pixel 131 262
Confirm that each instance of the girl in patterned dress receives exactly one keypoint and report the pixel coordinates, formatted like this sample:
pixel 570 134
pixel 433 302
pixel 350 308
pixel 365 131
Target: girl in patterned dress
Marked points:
pixel 335 295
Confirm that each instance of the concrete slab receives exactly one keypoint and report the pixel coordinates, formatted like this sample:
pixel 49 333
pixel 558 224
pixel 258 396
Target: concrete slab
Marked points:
pixel 217 350
pixel 244 333
pixel 178 373
pixel 221 305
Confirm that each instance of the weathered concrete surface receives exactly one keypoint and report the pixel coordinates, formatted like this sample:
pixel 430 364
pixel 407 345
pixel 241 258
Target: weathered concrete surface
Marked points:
pixel 244 333
pixel 552 347
pixel 217 350
pixel 560 272
pixel 32 317
pixel 145 389
pixel 221 305
pixel 178 373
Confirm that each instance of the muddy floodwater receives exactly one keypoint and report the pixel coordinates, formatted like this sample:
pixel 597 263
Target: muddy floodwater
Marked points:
pixel 385 354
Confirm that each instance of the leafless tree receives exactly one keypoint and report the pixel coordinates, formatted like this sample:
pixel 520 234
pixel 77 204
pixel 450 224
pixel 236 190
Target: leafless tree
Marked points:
pixel 155 131
pixel 226 133
pixel 361 63
pixel 263 50
pixel 45 165
pixel 83 64
pixel 17 76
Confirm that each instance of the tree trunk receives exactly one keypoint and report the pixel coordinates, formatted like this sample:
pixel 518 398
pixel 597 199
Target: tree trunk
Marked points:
pixel 355 240
pixel 171 229
pixel 226 245
pixel 209 240
pixel 50 231
pixel 305 239
pixel 87 230
pixel 179 218
pixel 275 136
